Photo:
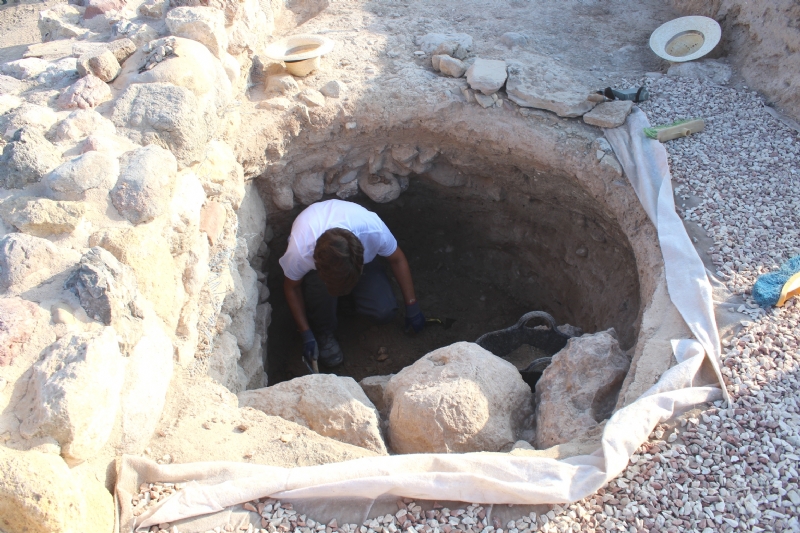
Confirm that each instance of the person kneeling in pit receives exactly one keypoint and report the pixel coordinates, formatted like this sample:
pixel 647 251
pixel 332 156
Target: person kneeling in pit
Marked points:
pixel 331 253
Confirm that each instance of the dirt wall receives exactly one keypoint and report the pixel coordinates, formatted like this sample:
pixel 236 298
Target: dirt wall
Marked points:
pixel 762 38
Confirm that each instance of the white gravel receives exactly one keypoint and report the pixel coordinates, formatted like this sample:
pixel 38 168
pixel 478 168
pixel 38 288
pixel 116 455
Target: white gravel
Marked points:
pixel 726 468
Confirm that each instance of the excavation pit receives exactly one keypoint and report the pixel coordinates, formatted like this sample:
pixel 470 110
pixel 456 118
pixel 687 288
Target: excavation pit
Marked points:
pixel 502 243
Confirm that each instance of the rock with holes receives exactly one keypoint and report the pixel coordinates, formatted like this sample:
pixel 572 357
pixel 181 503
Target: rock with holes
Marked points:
pixel 42 217
pixel 92 170
pixel 39 493
pixel 73 393
pixel 547 86
pixel 333 406
pixel 381 188
pixel 609 114
pixel 89 91
pixel 144 188
pixel 167 115
pixel 18 319
pixel 26 261
pixel 579 389
pixel 27 158
pixel 460 398
pixel 82 123
pixel 108 292
pixel 203 24
pixel 486 75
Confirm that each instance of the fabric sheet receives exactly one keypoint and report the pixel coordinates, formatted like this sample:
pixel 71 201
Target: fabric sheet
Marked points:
pixel 354 488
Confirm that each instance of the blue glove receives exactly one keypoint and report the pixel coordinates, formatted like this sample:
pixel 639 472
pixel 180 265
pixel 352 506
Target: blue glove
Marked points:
pixel 310 349
pixel 414 318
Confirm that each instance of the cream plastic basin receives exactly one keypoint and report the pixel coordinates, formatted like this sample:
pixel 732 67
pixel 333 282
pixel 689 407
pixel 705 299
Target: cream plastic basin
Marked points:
pixel 301 53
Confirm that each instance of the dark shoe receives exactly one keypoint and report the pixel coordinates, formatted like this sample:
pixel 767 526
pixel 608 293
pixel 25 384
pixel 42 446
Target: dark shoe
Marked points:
pixel 330 353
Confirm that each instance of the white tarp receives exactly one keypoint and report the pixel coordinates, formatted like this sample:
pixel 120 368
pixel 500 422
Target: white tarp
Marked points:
pixel 484 477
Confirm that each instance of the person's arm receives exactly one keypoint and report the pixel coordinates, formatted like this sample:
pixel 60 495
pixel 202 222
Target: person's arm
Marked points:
pixel 294 297
pixel 402 273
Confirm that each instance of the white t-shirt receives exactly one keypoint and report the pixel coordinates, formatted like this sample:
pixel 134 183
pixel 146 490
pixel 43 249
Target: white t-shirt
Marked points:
pixel 318 218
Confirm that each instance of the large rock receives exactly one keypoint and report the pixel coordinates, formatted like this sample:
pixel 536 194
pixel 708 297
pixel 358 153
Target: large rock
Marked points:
pixel 107 291
pixel 82 123
pixel 17 321
pixel 104 65
pixel 547 86
pixel 709 70
pixel 375 387
pixel 243 320
pixel 221 175
pixel 89 91
pixel 579 388
pixel 251 26
pixel 460 42
pixel 62 21
pixel 451 66
pixel 381 188
pixel 252 217
pixel 144 188
pixel 333 406
pixel 25 69
pixel 460 398
pixel 42 217
pixel 609 114
pixel 28 116
pixel 147 252
pixel 73 393
pixel 147 379
pixel 487 75
pixel 203 24
pixel 10 85
pixel 92 170
pixel 26 261
pixel 309 187
pixel 40 494
pixel 28 158
pixel 101 7
pixel 223 364
pixel 168 115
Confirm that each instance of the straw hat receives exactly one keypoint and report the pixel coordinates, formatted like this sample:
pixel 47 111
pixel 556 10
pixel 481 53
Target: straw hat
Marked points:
pixel 685 38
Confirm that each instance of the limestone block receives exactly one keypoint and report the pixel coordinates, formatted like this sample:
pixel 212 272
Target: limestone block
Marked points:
pixel 82 123
pixel 380 188
pixel 374 387
pixel 9 102
pixel 92 170
pixel 252 218
pixel 486 75
pixel 40 494
pixel 513 39
pixel 32 116
pixel 333 89
pixel 460 398
pixel 430 42
pixel 202 24
pixel 144 249
pixel 446 175
pixel 333 406
pixel 348 190
pixel 107 291
pixel 10 85
pixel 282 84
pixel 452 49
pixel 59 73
pixel 547 86
pixel 252 362
pixel 17 321
pixel 251 26
pixel 146 181
pixel 309 188
pixel 609 114
pixel 89 91
pixel 579 388
pixel 243 320
pixel 221 174
pixel 709 70
pixel 103 65
pixel 27 158
pixel 168 115
pixel 74 392
pixel 42 217
pixel 153 9
pixel 122 49
pixel 223 364
pixel 101 7
pixel 137 32
pixel 62 21
pixel 25 69
pixel 26 261
pixel 147 379
pixel 212 220
pixel 451 66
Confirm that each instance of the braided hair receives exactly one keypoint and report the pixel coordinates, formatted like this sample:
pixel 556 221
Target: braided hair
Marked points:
pixel 339 258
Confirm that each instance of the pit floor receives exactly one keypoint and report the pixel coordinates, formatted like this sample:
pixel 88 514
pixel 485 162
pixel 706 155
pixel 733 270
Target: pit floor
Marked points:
pixel 442 242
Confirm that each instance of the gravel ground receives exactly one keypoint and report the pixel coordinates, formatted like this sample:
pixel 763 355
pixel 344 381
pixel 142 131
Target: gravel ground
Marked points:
pixel 723 468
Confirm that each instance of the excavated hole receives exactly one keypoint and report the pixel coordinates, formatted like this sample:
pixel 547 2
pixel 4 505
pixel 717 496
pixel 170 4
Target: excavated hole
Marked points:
pixel 482 254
